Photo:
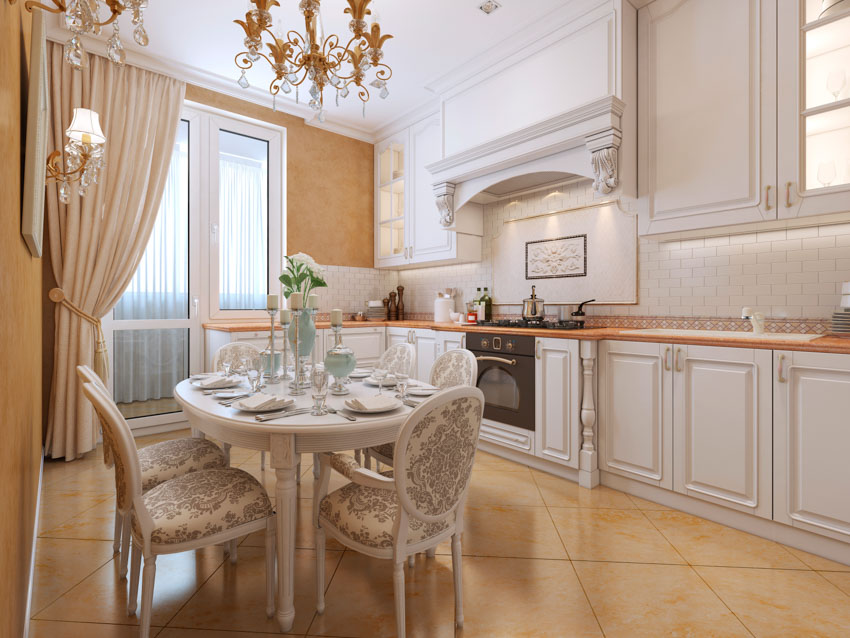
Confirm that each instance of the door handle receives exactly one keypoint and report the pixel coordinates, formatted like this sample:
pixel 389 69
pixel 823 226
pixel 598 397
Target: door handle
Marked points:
pixel 537 350
pixel 510 362
pixel 781 379
pixel 666 360
pixel 767 205
pixel 678 360
pixel 196 303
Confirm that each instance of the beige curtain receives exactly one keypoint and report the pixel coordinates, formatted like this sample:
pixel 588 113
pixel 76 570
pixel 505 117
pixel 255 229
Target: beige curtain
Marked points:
pixel 97 241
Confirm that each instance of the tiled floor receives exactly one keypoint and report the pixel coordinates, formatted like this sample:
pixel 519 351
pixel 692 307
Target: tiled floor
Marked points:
pixel 543 557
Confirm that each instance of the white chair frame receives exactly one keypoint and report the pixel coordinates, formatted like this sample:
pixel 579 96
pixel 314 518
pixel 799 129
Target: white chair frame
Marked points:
pixel 401 550
pixel 123 438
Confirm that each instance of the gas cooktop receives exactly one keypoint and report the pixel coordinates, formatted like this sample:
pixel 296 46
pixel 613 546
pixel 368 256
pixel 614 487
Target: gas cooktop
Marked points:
pixel 538 325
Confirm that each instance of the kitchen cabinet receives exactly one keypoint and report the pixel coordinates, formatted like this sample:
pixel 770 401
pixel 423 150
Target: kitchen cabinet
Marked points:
pixel 366 343
pixel 398 335
pixel 427 350
pixel 451 341
pixel 557 401
pixel 811 428
pixel 215 339
pixel 722 426
pixel 408 232
pixel 814 109
pixel 636 411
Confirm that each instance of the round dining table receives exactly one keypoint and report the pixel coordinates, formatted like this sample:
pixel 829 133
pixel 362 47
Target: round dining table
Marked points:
pixel 286 438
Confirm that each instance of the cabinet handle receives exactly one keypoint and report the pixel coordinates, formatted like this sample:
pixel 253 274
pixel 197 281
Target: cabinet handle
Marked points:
pixel 411 252
pixel 537 350
pixel 767 205
pixel 781 378
pixel 666 360
pixel 678 360
pixel 788 194
pixel 405 252
pixel 510 362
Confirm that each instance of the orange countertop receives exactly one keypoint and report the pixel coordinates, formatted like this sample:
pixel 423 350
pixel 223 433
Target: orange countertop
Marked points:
pixel 829 344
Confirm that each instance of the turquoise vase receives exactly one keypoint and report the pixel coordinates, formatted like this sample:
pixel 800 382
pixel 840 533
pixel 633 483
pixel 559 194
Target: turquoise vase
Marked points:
pixel 306 333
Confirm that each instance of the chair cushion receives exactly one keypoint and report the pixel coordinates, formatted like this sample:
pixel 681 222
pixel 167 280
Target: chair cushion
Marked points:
pixel 203 503
pixel 163 461
pixel 366 515
pixel 387 450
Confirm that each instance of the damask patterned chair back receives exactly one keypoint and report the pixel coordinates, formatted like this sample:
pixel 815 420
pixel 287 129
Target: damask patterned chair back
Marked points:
pixel 435 451
pixel 234 353
pixel 454 368
pixel 128 476
pixel 87 375
pixel 399 357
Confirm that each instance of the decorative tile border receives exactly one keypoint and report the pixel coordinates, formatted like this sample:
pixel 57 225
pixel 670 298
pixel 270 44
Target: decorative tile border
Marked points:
pixel 805 326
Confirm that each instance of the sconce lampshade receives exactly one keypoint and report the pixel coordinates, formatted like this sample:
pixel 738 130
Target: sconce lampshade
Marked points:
pixel 85 127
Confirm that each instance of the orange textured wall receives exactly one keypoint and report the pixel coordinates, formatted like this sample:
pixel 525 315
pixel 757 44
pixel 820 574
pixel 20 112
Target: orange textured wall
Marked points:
pixel 20 335
pixel 329 191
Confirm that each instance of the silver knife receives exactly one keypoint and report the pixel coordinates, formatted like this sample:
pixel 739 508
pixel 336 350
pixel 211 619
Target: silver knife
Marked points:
pixel 280 415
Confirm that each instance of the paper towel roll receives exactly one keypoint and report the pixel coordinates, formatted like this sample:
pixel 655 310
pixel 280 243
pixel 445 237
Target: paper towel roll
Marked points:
pixel 442 309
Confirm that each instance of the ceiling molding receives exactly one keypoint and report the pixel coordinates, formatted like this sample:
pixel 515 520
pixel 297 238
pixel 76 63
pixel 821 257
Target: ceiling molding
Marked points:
pixel 408 119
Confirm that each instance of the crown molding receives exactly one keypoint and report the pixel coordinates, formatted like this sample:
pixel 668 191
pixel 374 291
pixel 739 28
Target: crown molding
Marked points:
pixel 407 119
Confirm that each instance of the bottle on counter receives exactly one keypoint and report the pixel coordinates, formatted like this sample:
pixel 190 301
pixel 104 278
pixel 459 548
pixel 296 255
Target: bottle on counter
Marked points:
pixel 488 304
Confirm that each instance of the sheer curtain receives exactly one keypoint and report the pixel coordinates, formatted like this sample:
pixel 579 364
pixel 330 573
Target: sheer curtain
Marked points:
pixel 243 219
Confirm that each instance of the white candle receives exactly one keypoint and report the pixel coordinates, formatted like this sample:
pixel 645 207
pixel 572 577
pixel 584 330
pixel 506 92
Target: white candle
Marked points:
pixel 336 317
pixel 285 316
pixel 296 300
pixel 272 302
pixel 313 301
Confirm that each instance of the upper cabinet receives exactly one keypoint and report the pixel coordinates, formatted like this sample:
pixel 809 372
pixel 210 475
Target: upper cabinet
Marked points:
pixel 814 108
pixel 733 128
pixel 706 113
pixel 408 232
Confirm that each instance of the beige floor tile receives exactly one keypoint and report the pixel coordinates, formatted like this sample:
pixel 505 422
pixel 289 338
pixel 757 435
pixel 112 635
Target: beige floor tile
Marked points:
pixel 102 597
pixel 305 488
pixel 839 579
pixel 524 599
pixel 643 504
pixel 61 563
pixel 509 532
pixel 359 600
pixel 94 478
pixel 96 523
pixel 632 600
pixel 612 535
pixel 304 532
pixel 559 492
pixel 234 598
pixel 59 629
pixel 703 542
pixel 819 563
pixel 58 507
pixel 174 632
pixel 773 602
pixel 490 487
pixel 487 461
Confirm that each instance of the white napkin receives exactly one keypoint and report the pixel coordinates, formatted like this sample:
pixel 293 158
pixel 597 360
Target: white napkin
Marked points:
pixel 202 375
pixel 215 382
pixel 373 403
pixel 262 400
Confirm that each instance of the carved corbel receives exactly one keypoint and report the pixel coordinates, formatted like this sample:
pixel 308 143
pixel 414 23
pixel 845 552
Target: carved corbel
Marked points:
pixel 444 193
pixel 603 151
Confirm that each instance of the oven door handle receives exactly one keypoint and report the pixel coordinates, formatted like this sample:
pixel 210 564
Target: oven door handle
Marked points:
pixel 510 362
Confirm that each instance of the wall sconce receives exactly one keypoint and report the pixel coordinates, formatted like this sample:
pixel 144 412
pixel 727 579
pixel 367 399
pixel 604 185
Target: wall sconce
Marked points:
pixel 84 155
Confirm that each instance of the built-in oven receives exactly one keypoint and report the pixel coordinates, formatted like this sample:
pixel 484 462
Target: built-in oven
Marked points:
pixel 505 376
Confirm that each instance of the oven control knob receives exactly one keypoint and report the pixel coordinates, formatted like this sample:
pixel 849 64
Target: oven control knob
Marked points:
pixel 485 343
pixel 510 346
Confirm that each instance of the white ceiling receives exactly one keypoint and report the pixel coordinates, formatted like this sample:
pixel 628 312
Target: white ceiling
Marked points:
pixel 431 39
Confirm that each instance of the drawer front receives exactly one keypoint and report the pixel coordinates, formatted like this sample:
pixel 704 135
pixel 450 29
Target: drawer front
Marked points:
pixel 507 436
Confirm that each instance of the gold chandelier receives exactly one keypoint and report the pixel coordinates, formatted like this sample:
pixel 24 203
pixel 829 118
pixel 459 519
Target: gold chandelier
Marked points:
pixel 312 57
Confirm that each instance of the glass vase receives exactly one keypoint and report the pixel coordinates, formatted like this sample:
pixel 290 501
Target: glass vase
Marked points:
pixel 306 332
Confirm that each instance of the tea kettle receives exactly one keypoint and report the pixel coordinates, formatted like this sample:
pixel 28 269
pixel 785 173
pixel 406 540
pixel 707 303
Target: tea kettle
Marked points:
pixel 532 307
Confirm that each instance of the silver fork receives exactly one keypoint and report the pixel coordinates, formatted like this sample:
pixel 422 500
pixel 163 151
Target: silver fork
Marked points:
pixel 338 413
pixel 278 415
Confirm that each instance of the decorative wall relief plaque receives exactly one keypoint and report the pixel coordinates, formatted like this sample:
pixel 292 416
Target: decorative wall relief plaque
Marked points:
pixel 554 258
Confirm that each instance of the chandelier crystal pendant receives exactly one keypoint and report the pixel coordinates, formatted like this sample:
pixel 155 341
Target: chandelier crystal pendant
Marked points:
pixel 313 58
pixel 83 155
pixel 82 17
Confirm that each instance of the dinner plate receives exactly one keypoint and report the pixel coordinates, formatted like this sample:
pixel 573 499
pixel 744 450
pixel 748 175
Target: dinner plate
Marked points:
pixel 389 382
pixel 232 383
pixel 419 391
pixel 360 374
pixel 274 407
pixel 395 405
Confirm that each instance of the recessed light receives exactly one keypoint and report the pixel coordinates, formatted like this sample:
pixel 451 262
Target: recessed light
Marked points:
pixel 489 6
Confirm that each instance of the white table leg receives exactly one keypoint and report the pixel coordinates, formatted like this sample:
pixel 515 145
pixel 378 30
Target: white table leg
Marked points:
pixel 285 463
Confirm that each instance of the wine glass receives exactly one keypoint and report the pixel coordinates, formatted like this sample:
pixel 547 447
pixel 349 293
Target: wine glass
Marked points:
pixel 225 365
pixel 254 368
pixel 401 383
pixel 826 173
pixel 835 82
pixel 379 374
pixel 319 385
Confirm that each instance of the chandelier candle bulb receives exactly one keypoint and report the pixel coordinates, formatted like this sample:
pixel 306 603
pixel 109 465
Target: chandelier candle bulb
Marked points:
pixel 296 300
pixel 336 317
pixel 272 302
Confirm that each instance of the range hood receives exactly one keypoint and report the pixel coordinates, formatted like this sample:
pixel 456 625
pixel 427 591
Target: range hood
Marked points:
pixel 558 98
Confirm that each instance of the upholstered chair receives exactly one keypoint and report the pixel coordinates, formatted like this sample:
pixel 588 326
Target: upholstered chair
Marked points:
pixel 412 508
pixel 157 463
pixel 234 354
pixel 185 513
pixel 399 358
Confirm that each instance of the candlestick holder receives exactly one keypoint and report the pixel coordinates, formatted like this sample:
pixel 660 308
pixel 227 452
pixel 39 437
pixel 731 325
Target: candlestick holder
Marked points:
pixel 272 374
pixel 296 385
pixel 285 376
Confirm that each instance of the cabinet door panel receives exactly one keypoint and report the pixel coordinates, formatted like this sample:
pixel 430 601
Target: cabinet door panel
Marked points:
pixel 426 353
pixel 707 109
pixel 557 418
pixel 812 401
pixel 429 241
pixel 635 406
pixel 367 345
pixel 722 426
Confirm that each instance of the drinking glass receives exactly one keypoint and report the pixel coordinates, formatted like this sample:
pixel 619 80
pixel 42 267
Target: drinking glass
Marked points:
pixel 254 368
pixel 319 385
pixel 379 374
pixel 401 383
pixel 225 365
pixel 826 173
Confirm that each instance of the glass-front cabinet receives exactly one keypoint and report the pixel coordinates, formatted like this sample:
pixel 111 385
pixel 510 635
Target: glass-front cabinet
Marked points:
pixel 391 201
pixel 814 107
